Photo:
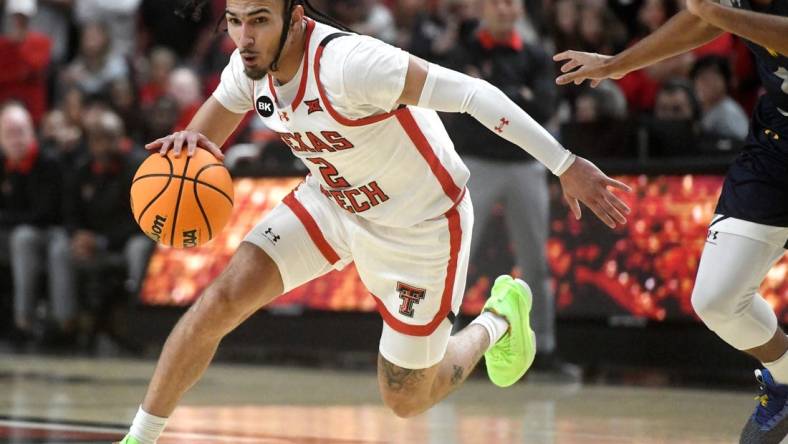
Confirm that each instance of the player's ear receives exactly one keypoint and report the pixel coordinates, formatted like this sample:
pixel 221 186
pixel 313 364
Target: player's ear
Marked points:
pixel 296 17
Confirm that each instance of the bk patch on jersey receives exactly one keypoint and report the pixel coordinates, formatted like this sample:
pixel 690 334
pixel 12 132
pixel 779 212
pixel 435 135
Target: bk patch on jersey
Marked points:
pixel 264 106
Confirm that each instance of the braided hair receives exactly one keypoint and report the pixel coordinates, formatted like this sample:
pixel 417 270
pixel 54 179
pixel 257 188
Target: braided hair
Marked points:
pixel 193 10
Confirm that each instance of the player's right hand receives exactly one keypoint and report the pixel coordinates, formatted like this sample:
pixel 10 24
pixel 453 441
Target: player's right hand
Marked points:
pixel 190 139
pixel 582 66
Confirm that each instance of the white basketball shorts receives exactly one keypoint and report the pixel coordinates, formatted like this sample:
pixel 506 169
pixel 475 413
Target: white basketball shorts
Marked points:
pixel 416 274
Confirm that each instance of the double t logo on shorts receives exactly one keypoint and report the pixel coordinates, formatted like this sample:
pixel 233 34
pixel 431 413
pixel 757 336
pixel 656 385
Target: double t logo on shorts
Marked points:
pixel 409 295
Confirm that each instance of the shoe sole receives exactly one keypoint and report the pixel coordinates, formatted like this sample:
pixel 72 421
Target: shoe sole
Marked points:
pixel 523 305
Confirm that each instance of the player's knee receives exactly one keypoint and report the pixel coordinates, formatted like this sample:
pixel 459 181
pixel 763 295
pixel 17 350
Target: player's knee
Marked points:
pixel 407 392
pixel 714 304
pixel 403 405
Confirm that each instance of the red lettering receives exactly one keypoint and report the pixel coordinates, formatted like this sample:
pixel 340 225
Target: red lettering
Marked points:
pixel 374 193
pixel 287 139
pixel 318 144
pixel 300 142
pixel 351 196
pixel 336 140
pixel 329 172
pixel 340 199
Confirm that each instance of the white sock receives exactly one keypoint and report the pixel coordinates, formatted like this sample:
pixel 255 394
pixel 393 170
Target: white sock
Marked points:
pixel 146 427
pixel 495 325
pixel 779 369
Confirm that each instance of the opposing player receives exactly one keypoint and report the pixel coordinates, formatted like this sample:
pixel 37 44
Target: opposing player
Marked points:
pixel 749 232
pixel 386 190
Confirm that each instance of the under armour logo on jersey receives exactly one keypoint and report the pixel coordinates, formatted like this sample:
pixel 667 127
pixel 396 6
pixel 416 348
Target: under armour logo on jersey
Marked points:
pixel 409 295
pixel 314 106
pixel 504 122
pixel 265 106
pixel 283 116
pixel 269 233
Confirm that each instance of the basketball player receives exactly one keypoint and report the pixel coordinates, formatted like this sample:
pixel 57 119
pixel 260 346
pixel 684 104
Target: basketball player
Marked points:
pixel 749 233
pixel 386 190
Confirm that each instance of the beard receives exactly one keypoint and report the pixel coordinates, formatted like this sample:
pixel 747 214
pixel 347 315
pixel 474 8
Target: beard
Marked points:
pixel 255 73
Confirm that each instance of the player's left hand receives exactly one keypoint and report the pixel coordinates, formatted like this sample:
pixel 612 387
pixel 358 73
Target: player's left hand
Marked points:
pixel 586 183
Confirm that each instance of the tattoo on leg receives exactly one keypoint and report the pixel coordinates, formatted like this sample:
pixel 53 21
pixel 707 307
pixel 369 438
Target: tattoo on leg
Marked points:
pixel 456 376
pixel 399 379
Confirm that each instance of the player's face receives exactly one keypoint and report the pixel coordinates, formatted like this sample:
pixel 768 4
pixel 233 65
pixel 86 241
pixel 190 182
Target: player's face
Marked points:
pixel 256 27
pixel 16 133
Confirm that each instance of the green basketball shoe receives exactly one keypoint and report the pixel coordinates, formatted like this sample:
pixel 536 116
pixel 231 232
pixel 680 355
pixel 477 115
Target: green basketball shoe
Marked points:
pixel 509 359
pixel 129 440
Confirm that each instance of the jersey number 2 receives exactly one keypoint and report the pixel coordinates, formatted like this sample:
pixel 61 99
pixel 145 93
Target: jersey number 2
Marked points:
pixel 329 172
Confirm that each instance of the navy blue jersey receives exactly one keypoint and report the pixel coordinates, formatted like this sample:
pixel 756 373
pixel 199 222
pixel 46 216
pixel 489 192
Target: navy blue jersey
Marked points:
pixel 756 187
pixel 772 67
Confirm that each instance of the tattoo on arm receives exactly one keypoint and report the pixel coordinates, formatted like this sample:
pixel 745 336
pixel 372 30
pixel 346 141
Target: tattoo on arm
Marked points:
pixel 457 375
pixel 399 379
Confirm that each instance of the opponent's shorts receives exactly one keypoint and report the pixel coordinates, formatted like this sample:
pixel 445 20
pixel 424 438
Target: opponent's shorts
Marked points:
pixel 768 234
pixel 416 274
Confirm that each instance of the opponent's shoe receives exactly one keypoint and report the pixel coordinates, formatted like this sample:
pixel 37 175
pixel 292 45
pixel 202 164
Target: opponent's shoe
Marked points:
pixel 129 440
pixel 769 423
pixel 509 359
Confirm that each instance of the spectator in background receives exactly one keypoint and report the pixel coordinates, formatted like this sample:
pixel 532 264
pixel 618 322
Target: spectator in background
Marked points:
pixel 435 34
pixel 641 86
pixel 54 19
pixel 722 116
pixel 61 140
pixel 500 171
pixel 162 62
pixel 601 104
pixel 95 67
pixel 30 197
pixel 120 17
pixel 160 119
pixel 184 86
pixel 97 211
pixel 367 17
pixel 123 99
pixel 564 25
pixel 675 127
pixel 62 133
pixel 598 30
pixel 406 13
pixel 163 24
pixel 24 59
pixel 676 101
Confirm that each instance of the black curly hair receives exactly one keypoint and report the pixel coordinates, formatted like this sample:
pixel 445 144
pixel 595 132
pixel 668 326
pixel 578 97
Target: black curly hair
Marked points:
pixel 193 10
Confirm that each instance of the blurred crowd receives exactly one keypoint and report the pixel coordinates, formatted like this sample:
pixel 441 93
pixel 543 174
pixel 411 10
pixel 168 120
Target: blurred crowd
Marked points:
pixel 86 83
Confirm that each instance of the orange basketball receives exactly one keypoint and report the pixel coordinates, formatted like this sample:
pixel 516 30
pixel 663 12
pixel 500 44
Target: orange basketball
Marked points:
pixel 182 201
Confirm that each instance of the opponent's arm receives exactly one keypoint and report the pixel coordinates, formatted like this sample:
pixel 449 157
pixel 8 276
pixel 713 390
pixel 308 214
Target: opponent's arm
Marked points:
pixel 767 30
pixel 209 129
pixel 432 86
pixel 683 32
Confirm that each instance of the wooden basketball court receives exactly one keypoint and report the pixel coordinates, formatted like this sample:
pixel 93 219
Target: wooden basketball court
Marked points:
pixel 60 400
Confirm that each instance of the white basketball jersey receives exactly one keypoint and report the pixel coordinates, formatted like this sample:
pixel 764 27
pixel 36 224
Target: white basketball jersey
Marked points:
pixel 397 168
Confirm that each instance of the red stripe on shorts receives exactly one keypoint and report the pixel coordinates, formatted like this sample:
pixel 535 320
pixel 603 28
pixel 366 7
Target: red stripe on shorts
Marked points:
pixel 455 240
pixel 311 227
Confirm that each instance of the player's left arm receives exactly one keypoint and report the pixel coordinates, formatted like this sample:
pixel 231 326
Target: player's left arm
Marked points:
pixel 431 86
pixel 767 30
